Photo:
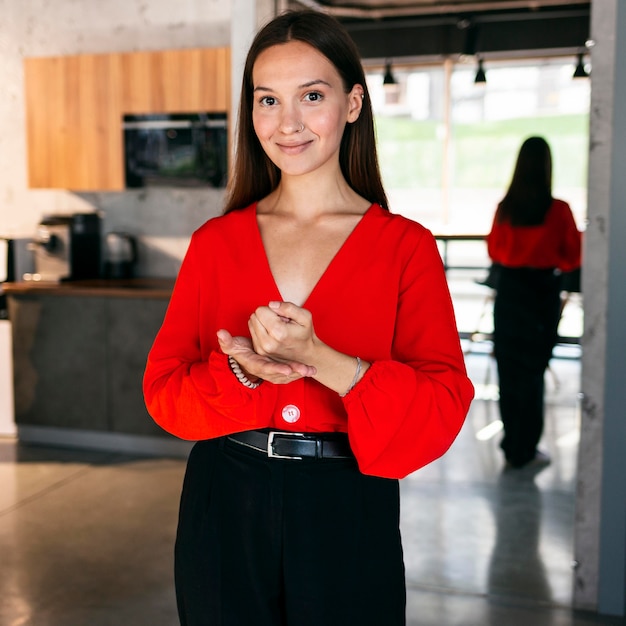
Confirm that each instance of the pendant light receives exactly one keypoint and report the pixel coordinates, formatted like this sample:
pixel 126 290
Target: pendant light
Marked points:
pixel 389 78
pixel 481 77
pixel 580 71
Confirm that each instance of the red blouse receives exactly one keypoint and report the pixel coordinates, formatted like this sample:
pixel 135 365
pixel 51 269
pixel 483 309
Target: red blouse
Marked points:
pixel 554 244
pixel 383 297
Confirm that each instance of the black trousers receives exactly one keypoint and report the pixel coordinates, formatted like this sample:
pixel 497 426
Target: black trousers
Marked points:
pixel 527 310
pixel 273 542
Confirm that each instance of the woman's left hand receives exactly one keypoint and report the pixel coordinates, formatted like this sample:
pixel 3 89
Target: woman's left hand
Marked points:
pixel 283 331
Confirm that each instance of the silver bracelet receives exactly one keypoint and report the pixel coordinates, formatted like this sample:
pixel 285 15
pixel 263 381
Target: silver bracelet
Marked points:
pixel 355 380
pixel 241 377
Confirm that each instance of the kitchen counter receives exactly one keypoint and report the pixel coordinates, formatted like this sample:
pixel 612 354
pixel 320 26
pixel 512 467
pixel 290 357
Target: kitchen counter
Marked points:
pixel 159 288
pixel 79 351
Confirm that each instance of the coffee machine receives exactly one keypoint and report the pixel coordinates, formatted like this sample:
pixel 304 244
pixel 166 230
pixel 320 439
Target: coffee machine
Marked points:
pixel 66 247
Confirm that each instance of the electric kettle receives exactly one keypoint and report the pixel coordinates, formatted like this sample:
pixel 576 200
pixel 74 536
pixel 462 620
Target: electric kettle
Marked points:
pixel 120 255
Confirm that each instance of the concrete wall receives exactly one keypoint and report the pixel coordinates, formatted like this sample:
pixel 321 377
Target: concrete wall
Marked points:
pixel 163 218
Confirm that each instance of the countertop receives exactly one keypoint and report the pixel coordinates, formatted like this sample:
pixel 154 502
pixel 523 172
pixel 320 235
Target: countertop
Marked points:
pixel 101 287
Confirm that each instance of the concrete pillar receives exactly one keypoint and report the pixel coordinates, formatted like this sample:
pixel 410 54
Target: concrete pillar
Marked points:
pixel 247 16
pixel 243 24
pixel 600 526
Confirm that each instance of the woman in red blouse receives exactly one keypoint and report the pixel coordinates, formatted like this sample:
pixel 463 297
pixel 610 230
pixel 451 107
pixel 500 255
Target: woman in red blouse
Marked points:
pixel 533 241
pixel 310 348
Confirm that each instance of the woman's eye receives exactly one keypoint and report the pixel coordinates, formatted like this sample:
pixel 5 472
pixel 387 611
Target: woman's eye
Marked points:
pixel 314 96
pixel 267 101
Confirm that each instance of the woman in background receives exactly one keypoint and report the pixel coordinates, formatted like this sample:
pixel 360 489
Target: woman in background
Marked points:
pixel 533 240
pixel 310 347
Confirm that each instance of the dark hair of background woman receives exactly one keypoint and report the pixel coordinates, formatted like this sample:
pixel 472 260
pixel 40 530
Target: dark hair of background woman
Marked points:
pixel 530 193
pixel 254 175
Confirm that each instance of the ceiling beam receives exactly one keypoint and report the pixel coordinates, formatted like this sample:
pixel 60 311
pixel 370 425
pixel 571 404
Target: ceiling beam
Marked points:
pixel 381 10
pixel 495 35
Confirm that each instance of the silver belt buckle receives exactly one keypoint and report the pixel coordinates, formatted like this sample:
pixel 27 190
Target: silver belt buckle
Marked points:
pixel 270 444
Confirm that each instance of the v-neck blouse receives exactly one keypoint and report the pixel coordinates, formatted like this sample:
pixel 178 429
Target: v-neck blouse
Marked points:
pixel 266 265
pixel 383 297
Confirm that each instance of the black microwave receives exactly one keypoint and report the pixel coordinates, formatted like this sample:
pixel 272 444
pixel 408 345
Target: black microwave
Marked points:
pixel 176 150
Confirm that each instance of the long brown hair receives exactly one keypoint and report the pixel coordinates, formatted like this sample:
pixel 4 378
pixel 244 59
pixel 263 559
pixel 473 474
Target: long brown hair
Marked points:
pixel 530 193
pixel 254 175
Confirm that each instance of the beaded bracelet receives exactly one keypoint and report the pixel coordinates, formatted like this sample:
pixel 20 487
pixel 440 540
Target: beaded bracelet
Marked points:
pixel 241 377
pixel 355 380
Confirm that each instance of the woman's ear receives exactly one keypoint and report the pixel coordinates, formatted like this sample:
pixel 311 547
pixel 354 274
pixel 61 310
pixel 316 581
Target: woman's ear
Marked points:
pixel 355 102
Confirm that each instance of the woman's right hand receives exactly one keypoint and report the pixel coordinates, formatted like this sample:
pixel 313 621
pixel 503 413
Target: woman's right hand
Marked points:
pixel 258 366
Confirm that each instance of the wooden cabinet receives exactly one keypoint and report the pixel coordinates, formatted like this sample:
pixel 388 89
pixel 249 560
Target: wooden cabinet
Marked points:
pixel 176 81
pixel 73 123
pixel 75 105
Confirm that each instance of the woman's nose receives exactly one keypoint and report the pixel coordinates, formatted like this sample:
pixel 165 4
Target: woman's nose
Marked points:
pixel 291 122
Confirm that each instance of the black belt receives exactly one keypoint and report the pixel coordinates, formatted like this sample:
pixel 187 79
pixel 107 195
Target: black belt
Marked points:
pixel 286 445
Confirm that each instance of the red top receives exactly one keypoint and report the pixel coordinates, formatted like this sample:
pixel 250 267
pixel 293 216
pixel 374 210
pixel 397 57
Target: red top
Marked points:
pixel 383 297
pixel 554 244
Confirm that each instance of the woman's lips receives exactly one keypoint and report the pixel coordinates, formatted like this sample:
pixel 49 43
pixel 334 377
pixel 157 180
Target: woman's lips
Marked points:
pixel 296 148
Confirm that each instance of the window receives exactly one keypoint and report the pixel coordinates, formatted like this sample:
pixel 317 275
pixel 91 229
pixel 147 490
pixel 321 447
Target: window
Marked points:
pixel 447 146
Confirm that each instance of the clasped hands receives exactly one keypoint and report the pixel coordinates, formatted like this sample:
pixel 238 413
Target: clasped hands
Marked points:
pixel 281 339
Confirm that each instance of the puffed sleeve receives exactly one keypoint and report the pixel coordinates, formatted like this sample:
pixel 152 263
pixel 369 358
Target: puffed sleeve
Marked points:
pixel 189 389
pixel 571 241
pixel 407 410
pixel 496 243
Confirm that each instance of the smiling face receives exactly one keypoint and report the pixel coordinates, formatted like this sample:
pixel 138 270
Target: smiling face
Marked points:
pixel 301 108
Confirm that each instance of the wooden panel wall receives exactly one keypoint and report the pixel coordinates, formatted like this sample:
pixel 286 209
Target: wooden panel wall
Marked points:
pixel 75 105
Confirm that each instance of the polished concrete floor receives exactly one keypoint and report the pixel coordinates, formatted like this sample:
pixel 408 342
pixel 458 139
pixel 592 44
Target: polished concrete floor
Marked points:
pixel 86 537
